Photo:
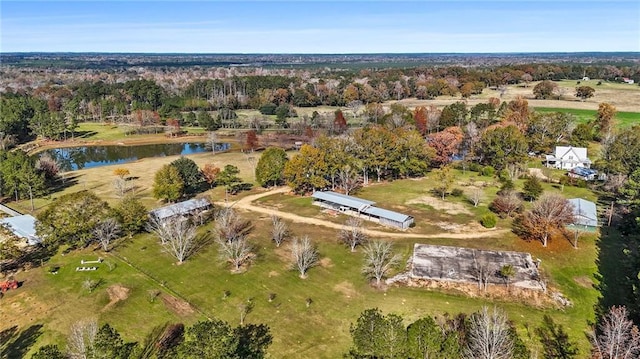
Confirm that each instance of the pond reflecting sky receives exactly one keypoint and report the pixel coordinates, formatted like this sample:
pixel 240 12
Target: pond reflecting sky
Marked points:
pixel 74 158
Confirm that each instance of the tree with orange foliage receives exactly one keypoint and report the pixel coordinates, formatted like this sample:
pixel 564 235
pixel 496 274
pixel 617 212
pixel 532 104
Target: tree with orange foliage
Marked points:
pixel 420 119
pixel 518 113
pixel 210 173
pixel 446 143
pixel 606 118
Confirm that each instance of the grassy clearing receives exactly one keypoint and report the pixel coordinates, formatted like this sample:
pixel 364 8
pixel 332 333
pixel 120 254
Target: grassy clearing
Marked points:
pixel 337 289
pixel 625 119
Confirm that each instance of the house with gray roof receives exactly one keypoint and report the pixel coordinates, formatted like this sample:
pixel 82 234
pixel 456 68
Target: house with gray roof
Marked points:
pixel 361 208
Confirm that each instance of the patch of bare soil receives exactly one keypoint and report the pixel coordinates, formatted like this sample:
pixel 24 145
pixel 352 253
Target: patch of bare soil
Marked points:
pixel 326 262
pixel 584 281
pixel 346 289
pixel 117 293
pixel 273 274
pixel 440 205
pixel 176 305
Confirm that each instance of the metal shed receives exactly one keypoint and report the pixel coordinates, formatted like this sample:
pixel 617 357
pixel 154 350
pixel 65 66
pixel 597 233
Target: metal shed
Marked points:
pixel 586 215
pixel 23 226
pixel 362 208
pixel 181 209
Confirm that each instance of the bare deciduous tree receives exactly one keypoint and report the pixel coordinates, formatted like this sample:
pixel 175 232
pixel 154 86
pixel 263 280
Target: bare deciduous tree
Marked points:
pixel 378 260
pixel 352 233
pixel 349 179
pixel 279 231
pixel 229 226
pixel 106 231
pixel 550 212
pixel 482 272
pixel 304 255
pixel 618 338
pixel 212 141
pixel 475 196
pixel 507 204
pixel 81 339
pixel 489 335
pixel 177 235
pixel 236 252
pixel 120 186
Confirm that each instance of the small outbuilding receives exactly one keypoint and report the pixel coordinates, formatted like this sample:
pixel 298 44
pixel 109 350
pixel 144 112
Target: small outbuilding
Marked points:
pixel 186 208
pixel 585 214
pixel 22 226
pixel 361 208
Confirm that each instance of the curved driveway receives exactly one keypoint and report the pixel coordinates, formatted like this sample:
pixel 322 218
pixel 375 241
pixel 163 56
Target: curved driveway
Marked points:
pixel 246 203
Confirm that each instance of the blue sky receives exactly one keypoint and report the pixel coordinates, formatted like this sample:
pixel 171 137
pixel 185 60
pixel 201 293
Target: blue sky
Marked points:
pixel 320 26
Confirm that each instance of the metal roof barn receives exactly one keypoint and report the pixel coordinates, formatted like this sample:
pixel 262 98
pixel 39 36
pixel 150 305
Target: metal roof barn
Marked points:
pixel 23 226
pixel 585 212
pixel 181 208
pixel 361 208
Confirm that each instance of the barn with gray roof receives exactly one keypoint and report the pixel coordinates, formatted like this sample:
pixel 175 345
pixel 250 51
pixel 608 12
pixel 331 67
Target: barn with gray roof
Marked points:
pixel 361 208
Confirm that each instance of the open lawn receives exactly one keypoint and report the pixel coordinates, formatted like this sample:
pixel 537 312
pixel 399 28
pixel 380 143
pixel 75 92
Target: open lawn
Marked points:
pixel 624 119
pixel 336 287
pixel 337 290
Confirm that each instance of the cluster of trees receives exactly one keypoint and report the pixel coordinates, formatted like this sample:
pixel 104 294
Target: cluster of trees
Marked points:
pixel 183 177
pixel 212 338
pixel 486 334
pixel 82 218
pixel 23 176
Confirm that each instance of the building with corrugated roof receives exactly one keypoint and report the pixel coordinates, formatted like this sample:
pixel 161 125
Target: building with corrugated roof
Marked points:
pixel 361 208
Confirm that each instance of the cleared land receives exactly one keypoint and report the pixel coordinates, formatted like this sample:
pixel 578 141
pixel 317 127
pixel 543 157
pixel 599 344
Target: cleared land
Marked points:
pixel 456 264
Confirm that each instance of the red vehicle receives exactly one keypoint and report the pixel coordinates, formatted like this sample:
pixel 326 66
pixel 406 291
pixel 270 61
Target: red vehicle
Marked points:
pixel 8 284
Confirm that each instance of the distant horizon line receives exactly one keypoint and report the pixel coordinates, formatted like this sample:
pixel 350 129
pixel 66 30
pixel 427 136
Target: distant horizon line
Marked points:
pixel 317 53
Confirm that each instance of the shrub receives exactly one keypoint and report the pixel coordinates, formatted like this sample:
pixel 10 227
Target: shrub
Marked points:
pixel 457 192
pixel 488 220
pixel 475 167
pixel 268 109
pixel 488 171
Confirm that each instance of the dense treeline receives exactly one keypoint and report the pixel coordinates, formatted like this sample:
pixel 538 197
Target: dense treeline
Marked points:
pixel 53 108
pixel 212 338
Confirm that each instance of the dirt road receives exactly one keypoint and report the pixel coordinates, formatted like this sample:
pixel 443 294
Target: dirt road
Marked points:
pixel 246 203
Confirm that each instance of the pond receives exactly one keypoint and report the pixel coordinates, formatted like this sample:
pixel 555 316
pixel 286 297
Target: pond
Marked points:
pixel 74 158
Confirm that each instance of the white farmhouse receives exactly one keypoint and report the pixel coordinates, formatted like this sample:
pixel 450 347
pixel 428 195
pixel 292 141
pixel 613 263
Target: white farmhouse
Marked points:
pixel 567 158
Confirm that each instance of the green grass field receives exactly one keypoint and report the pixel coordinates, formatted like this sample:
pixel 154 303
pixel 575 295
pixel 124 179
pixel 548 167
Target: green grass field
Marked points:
pixel 338 291
pixel 625 119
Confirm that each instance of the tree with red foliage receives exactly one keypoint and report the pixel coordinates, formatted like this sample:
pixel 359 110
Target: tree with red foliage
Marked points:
pixel 339 122
pixel 252 140
pixel 173 127
pixel 420 119
pixel 446 144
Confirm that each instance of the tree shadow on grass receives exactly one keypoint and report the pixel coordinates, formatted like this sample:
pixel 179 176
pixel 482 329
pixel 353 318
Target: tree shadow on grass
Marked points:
pixel 614 268
pixel 16 345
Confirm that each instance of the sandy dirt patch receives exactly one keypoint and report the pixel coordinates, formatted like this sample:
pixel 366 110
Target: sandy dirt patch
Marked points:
pixel 273 274
pixel 117 293
pixel 346 289
pixel 440 205
pixel 176 305
pixel 584 281
pixel 326 262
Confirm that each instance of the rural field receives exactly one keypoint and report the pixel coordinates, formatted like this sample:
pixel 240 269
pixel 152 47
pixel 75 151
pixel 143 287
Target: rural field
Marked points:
pixel 138 280
pixel 140 287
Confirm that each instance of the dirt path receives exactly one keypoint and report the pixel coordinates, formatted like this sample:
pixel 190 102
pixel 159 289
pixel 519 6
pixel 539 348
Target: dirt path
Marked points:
pixel 246 204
